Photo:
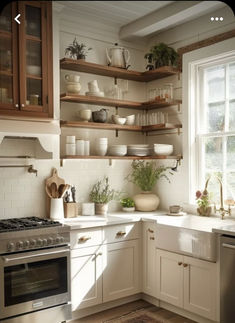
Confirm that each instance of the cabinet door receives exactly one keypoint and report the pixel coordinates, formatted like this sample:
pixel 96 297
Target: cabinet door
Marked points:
pixel 169 277
pixel 121 270
pixel 200 287
pixel 86 277
pixel 9 98
pixel 149 272
pixel 35 52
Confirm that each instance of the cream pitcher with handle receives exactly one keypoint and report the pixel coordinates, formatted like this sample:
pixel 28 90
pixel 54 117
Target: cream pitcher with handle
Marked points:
pixel 118 56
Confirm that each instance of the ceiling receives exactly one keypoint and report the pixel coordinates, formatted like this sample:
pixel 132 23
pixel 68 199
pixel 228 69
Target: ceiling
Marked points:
pixel 137 19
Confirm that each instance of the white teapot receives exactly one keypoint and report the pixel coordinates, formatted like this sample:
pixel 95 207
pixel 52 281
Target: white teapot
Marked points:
pixel 118 56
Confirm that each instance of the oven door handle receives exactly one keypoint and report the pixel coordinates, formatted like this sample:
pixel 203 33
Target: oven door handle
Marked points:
pixel 41 254
pixel 228 245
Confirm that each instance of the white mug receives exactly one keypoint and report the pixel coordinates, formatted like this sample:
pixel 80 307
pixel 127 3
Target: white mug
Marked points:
pixel 57 209
pixel 80 147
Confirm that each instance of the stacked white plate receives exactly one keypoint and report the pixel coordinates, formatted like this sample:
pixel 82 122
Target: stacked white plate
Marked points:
pixel 117 150
pixel 138 150
pixel 100 93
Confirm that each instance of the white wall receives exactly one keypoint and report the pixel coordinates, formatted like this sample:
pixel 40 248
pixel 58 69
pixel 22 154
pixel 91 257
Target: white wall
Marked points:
pixel 23 194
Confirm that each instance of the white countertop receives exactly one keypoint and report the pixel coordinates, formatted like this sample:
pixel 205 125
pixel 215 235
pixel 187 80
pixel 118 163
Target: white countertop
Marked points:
pixel 187 221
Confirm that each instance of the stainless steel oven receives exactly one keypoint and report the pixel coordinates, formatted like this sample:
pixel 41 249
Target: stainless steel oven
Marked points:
pixel 34 280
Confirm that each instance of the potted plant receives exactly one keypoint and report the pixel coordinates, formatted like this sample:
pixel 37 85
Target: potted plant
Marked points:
pixel 145 175
pixel 203 201
pixel 162 55
pixel 128 204
pixel 76 50
pixel 101 194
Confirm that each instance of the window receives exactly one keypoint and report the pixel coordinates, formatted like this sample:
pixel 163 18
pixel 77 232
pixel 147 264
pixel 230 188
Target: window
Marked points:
pixel 215 127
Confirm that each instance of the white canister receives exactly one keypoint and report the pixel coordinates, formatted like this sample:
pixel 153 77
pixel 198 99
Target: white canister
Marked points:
pixel 71 149
pixel 80 147
pixel 88 208
pixel 70 139
pixel 86 147
pixel 57 209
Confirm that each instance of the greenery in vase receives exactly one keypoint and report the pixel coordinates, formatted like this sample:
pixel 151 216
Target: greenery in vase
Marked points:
pixel 162 55
pixel 102 192
pixel 146 174
pixel 203 198
pixel 76 50
pixel 127 202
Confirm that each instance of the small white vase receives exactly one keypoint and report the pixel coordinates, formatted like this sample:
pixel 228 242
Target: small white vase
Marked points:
pixel 146 201
pixel 128 209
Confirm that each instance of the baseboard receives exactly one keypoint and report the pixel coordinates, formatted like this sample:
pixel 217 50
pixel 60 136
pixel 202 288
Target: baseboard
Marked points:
pixel 105 306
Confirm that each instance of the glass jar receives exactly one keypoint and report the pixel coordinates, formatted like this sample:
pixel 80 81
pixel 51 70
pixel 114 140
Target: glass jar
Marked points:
pixel 168 92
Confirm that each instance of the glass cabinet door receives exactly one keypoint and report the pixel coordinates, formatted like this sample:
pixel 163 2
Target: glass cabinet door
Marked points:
pixel 33 57
pixel 9 98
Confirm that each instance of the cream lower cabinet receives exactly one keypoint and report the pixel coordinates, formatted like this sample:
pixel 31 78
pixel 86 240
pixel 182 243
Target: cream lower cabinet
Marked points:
pixel 86 277
pixel 121 270
pixel 187 282
pixel 149 263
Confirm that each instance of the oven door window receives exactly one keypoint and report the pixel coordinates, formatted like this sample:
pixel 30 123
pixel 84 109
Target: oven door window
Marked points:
pixel 30 281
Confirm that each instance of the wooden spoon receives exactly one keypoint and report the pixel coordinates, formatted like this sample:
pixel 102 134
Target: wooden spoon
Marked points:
pixel 63 190
pixel 48 191
pixel 54 191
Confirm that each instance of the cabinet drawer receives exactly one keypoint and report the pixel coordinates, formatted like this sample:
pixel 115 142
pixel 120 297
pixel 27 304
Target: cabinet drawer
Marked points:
pixel 85 238
pixel 121 232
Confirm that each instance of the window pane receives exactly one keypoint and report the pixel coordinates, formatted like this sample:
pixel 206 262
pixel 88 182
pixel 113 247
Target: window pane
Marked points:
pixel 33 21
pixel 216 83
pixel 232 81
pixel 215 117
pixel 213 153
pixel 231 152
pixel 232 115
pixel 231 186
pixel 5 18
pixel 214 186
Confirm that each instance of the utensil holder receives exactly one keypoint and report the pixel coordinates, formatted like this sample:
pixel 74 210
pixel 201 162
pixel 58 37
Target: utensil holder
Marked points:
pixel 57 209
pixel 70 210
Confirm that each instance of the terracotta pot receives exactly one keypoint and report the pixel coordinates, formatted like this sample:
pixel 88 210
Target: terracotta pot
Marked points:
pixel 101 208
pixel 146 201
pixel 204 210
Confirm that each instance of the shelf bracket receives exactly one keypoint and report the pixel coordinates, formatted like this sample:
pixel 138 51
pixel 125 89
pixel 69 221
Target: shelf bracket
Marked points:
pixel 179 76
pixel 116 110
pixel 178 107
pixel 110 162
pixel 62 162
pixel 178 130
pixel 116 133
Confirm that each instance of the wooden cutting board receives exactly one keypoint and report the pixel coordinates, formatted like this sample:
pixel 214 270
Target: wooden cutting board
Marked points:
pixel 56 179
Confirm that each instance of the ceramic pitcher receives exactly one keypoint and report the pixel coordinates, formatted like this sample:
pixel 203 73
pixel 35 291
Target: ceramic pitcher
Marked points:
pixel 118 56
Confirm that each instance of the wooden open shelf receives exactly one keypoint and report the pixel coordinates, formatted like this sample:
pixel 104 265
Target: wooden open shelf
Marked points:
pixel 122 157
pixel 112 126
pixel 96 100
pixel 97 69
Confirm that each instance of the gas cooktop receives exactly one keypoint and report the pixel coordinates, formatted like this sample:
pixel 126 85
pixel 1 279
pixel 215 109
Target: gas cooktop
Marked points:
pixel 28 223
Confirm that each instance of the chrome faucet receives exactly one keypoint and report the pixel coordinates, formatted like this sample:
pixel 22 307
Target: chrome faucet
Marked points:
pixel 221 210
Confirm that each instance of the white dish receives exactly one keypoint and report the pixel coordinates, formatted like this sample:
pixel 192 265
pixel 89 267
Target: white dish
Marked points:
pixel 141 152
pixel 33 69
pixel 138 146
pixel 119 120
pixel 118 150
pixel 130 120
pixel 100 94
pixel 162 149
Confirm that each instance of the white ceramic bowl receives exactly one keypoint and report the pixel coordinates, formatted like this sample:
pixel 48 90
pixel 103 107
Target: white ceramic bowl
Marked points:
pixel 85 115
pixel 118 150
pixel 119 120
pixel 33 69
pixel 130 120
pixel 73 88
pixel 163 149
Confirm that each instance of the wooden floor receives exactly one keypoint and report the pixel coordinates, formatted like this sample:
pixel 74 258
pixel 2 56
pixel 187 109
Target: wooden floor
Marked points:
pixel 134 312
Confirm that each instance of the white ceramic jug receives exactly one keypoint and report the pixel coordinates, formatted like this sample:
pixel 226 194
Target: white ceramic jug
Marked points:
pixel 118 56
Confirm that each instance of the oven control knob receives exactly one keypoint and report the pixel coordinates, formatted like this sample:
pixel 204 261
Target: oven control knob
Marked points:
pixel 44 241
pixel 26 244
pixel 10 246
pixel 61 239
pixel 57 240
pixel 50 240
pixel 19 244
pixel 33 243
pixel 39 242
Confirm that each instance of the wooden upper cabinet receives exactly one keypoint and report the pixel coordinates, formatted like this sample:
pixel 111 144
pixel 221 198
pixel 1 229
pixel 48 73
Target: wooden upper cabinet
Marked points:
pixel 26 87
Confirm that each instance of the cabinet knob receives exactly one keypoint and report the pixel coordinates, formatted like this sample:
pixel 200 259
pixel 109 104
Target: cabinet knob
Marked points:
pixel 151 231
pixel 99 254
pixel 180 263
pixel 22 105
pixel 120 233
pixel 17 105
pixel 83 239
pixel 185 265
pixel 152 238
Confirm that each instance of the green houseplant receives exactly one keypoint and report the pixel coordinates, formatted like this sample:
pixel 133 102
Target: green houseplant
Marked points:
pixel 128 204
pixel 76 50
pixel 162 55
pixel 145 175
pixel 101 194
pixel 203 201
